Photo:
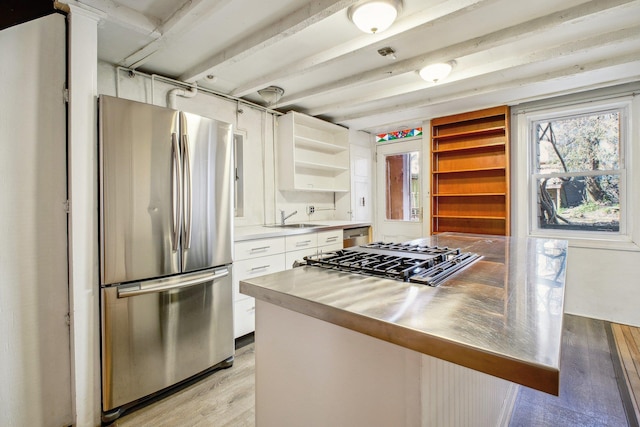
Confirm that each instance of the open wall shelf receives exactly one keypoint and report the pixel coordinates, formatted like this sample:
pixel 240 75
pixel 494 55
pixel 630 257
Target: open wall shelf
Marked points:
pixel 312 155
pixel 470 172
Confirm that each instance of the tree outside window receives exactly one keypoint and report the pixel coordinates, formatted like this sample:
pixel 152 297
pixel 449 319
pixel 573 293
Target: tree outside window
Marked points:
pixel 578 171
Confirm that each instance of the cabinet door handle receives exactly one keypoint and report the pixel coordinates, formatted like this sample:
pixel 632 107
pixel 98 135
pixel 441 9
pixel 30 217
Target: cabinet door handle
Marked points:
pixel 332 239
pixel 262 267
pixel 261 248
pixel 303 243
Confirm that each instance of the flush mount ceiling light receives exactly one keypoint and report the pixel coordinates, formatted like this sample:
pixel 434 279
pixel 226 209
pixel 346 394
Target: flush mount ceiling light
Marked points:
pixel 271 94
pixel 435 72
pixel 374 16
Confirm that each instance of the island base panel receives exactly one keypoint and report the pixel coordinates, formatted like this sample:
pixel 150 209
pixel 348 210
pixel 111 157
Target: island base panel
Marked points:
pixel 313 373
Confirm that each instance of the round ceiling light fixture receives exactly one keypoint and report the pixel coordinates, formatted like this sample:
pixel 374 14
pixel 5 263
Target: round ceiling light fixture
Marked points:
pixel 271 94
pixel 374 16
pixel 435 72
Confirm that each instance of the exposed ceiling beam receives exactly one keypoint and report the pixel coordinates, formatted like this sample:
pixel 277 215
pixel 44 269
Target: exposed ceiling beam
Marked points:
pixel 182 20
pixel 124 16
pixel 295 22
pixel 629 61
pixel 611 40
pixel 439 13
pixel 497 38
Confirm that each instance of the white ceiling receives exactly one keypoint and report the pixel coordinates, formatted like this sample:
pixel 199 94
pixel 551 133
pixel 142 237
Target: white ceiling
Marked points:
pixel 507 51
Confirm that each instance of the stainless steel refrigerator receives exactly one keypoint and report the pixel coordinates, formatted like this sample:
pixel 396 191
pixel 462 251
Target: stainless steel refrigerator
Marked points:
pixel 166 213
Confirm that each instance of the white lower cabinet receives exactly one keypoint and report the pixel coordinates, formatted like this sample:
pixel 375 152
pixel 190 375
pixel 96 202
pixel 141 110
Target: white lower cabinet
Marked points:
pixel 293 256
pixel 330 240
pixel 301 241
pixel 253 258
pixel 264 256
pixel 244 317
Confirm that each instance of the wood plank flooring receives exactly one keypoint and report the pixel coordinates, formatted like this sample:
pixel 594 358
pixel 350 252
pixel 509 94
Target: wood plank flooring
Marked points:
pixel 223 399
pixel 627 340
pixel 589 393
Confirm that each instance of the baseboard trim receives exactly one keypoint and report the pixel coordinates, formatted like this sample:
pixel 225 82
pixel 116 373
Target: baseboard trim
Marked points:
pixel 509 404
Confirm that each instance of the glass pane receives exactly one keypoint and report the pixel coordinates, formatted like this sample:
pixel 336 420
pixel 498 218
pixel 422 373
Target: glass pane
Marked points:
pixel 402 189
pixel 577 144
pixel 588 203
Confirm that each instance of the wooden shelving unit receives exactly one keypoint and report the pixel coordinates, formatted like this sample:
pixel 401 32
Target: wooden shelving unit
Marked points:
pixel 470 175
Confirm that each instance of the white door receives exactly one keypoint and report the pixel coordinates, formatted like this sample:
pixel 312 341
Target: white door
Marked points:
pixel 35 363
pixel 399 191
pixel 361 202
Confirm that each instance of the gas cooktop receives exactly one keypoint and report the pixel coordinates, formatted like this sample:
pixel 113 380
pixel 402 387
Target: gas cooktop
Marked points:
pixel 428 265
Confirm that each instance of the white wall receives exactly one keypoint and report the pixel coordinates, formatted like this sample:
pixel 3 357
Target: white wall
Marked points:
pixel 35 364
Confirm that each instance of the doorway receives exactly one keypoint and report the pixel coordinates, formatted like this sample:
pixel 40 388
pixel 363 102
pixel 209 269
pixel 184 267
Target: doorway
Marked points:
pixel 399 191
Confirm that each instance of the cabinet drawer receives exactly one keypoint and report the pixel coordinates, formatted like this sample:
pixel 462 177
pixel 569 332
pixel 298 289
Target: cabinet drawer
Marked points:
pixel 258 248
pixel 330 248
pixel 254 267
pixel 294 256
pixel 331 237
pixel 301 241
pixel 244 317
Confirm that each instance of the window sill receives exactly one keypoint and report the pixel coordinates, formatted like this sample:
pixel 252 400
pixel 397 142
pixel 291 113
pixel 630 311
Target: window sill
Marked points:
pixel 622 243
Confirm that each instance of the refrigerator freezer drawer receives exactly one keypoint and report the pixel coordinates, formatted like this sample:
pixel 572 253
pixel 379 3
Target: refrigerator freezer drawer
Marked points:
pixel 154 340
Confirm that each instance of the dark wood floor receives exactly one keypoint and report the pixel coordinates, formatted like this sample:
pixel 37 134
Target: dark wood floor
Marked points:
pixel 589 394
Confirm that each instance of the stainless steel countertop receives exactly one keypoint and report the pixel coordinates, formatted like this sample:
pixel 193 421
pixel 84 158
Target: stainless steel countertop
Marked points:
pixel 502 315
pixel 252 232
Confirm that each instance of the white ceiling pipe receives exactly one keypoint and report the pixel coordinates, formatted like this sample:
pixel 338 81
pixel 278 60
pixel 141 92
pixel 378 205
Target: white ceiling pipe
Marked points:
pixel 171 95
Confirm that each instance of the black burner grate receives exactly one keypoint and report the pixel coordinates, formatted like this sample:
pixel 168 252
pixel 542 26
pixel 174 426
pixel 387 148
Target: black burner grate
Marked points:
pixel 429 265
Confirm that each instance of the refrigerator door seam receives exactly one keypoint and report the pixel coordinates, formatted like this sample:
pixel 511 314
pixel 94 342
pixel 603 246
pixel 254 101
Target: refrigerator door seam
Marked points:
pixel 188 186
pixel 176 192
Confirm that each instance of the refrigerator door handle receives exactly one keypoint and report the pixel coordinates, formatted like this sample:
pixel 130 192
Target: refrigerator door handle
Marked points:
pixel 170 283
pixel 188 191
pixel 176 192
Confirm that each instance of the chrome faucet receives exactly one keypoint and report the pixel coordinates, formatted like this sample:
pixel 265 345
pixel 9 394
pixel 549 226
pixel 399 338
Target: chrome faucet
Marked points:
pixel 283 218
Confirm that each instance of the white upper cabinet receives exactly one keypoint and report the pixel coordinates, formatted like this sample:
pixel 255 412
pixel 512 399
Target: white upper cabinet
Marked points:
pixel 312 155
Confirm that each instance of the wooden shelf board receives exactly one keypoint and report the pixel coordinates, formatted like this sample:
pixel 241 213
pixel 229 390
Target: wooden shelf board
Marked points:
pixel 481 217
pixel 501 168
pixel 475 147
pixel 467 194
pixel 476 132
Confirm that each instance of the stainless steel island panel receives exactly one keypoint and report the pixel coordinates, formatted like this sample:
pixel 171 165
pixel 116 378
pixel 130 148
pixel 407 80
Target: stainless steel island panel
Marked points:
pixel 501 316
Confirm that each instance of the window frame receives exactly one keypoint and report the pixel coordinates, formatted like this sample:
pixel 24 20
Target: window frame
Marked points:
pixel 583 237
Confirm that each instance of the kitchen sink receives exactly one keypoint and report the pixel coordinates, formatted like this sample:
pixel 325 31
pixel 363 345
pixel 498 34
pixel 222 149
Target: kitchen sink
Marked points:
pixel 294 225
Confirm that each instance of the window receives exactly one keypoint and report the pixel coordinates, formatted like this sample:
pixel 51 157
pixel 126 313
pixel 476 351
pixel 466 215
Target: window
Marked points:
pixel 579 174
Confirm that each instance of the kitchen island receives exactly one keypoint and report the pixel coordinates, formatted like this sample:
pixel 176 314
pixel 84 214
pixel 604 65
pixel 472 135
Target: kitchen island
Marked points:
pixel 335 348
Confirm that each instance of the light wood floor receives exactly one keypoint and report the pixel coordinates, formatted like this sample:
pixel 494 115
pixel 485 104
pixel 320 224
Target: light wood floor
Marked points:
pixel 589 394
pixel 223 399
